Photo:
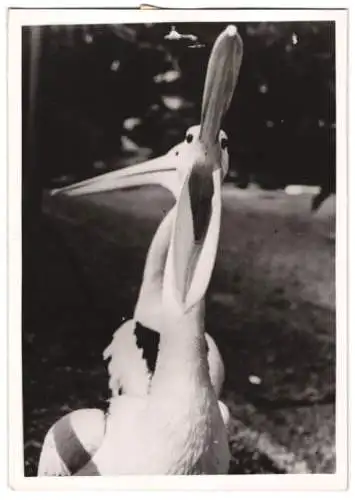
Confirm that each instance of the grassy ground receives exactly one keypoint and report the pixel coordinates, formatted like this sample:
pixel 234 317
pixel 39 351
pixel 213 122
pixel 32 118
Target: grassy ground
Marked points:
pixel 270 308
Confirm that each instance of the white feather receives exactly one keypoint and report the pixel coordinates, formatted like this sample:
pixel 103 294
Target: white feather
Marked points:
pixel 127 368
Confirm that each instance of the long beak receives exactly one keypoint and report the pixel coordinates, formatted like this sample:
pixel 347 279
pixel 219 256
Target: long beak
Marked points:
pixel 196 229
pixel 158 171
pixel 221 78
pixel 191 255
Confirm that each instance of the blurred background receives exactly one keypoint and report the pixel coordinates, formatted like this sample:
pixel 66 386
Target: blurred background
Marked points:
pixel 97 98
pixel 107 93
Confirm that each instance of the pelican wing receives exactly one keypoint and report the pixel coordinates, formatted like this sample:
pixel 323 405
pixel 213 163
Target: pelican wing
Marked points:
pixel 71 442
pixel 131 362
pixel 128 372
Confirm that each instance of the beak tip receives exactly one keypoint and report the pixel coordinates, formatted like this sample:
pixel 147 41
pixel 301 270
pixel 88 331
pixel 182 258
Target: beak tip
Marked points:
pixel 231 30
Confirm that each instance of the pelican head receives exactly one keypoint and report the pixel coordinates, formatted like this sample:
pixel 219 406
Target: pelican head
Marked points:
pixel 193 171
pixel 168 170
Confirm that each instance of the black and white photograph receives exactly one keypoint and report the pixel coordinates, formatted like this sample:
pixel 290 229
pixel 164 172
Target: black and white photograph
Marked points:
pixel 180 302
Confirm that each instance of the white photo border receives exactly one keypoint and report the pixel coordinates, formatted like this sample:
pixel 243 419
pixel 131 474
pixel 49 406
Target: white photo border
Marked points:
pixel 19 18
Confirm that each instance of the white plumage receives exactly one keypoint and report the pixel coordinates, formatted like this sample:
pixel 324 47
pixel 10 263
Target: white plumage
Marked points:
pixel 129 372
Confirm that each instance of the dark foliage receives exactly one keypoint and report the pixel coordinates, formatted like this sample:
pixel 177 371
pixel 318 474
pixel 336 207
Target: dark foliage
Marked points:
pixel 91 78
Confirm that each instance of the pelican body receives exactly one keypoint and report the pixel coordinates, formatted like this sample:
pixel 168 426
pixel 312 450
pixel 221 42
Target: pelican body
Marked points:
pixel 167 420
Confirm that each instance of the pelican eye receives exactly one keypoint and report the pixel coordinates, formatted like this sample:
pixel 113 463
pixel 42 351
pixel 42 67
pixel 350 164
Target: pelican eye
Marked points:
pixel 224 143
pixel 189 138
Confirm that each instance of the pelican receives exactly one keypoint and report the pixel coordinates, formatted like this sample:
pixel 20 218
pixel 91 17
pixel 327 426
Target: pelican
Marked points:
pixel 170 422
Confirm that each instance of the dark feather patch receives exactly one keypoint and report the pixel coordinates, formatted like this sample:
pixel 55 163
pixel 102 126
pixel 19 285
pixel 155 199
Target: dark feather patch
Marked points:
pixel 69 446
pixel 89 469
pixel 148 340
pixel 201 191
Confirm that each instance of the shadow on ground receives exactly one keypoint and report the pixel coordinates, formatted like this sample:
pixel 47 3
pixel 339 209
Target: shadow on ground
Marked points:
pixel 270 309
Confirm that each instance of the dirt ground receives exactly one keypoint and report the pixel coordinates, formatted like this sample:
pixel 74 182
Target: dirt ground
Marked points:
pixel 270 308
